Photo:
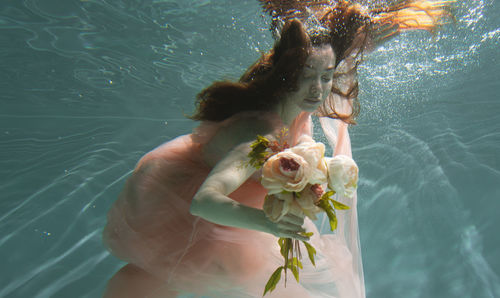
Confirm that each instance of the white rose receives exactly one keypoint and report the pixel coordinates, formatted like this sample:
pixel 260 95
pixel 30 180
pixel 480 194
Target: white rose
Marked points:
pixel 313 153
pixel 342 175
pixel 285 171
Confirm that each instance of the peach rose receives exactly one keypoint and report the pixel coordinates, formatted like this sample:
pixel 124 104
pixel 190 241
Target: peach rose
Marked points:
pixel 285 171
pixel 342 175
pixel 313 152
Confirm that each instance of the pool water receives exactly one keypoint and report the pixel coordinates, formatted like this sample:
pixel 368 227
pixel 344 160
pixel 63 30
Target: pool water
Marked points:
pixel 89 86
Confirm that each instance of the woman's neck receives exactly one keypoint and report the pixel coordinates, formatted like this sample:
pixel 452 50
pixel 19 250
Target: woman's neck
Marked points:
pixel 287 112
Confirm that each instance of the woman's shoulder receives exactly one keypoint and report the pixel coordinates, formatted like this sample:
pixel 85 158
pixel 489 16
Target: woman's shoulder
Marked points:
pixel 218 140
pixel 241 125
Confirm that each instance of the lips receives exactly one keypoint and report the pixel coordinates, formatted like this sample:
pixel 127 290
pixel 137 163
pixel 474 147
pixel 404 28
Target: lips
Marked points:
pixel 312 100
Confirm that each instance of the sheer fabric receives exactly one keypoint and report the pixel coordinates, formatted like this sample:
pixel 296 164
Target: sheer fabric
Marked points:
pixel 150 226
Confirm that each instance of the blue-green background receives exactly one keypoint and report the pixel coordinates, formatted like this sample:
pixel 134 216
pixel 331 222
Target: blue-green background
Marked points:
pixel 88 86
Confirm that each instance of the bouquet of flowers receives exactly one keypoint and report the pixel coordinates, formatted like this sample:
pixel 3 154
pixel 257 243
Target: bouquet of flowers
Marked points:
pixel 300 180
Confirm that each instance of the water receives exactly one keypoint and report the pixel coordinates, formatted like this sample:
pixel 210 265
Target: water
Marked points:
pixel 90 86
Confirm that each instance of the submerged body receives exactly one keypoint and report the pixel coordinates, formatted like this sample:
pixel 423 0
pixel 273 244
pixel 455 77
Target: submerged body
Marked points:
pixel 150 226
pixel 190 218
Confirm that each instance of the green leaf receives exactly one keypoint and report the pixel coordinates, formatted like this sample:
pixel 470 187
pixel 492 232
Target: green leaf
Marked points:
pixel 333 221
pixel 281 241
pixel 306 234
pixel 338 205
pixel 273 280
pixel 323 204
pixel 295 272
pixel 260 142
pixel 285 247
pixel 259 153
pixel 311 251
pixel 297 262
pixel 330 212
pixel 327 195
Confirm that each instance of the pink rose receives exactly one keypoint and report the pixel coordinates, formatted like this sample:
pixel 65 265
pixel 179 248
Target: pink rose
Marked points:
pixel 317 190
pixel 285 171
pixel 313 152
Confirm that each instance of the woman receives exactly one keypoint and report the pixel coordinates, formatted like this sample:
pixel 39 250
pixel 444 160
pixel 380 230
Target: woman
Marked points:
pixel 190 218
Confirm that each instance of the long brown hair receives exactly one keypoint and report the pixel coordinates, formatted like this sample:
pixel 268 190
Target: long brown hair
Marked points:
pixel 352 31
pixel 264 84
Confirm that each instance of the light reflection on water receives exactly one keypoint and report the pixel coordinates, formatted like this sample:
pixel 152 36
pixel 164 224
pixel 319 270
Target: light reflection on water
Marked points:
pixel 90 86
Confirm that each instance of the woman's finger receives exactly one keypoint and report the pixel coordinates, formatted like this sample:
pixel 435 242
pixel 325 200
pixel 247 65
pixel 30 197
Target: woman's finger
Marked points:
pixel 288 234
pixel 294 219
pixel 291 227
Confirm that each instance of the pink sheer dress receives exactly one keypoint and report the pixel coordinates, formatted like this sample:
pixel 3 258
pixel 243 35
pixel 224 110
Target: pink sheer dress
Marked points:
pixel 150 226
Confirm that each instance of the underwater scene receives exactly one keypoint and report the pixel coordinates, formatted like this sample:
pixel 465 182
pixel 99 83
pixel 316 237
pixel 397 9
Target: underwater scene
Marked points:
pixel 90 86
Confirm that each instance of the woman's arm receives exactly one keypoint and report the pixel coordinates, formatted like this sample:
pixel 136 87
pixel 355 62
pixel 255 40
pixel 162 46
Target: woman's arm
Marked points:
pixel 212 203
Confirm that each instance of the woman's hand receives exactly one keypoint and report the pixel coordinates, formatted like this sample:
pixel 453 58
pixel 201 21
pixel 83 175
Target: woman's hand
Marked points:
pixel 285 216
pixel 290 226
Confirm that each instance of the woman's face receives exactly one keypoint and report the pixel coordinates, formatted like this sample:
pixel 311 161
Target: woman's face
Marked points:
pixel 315 82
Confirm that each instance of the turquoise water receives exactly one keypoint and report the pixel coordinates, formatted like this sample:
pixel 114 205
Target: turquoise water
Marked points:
pixel 87 87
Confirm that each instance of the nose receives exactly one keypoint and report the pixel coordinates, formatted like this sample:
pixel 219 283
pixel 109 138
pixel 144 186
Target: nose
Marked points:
pixel 315 88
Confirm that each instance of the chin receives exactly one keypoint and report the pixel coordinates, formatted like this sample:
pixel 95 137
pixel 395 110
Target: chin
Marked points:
pixel 309 108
